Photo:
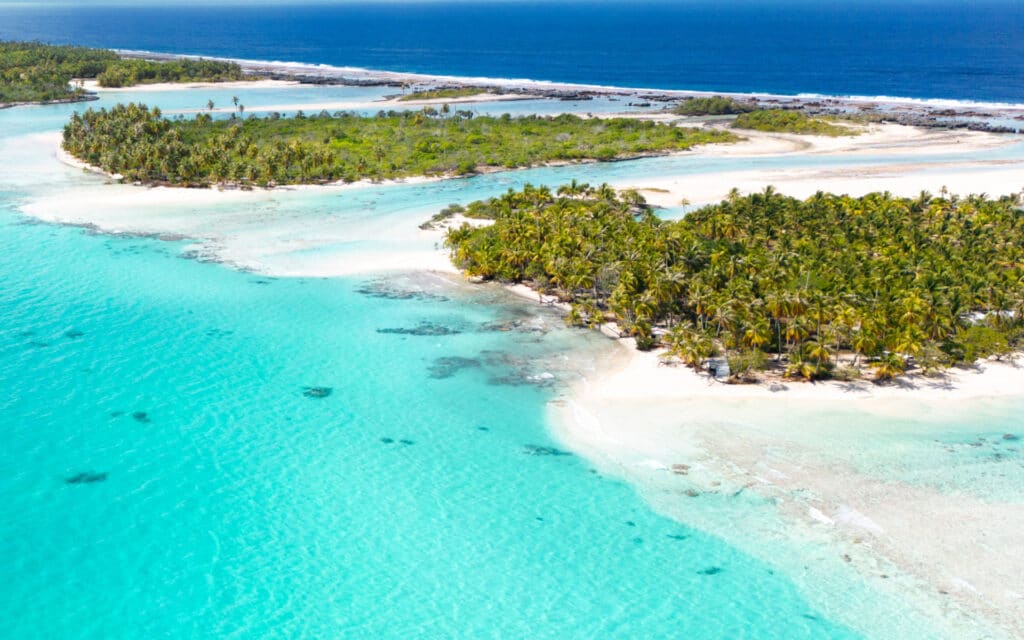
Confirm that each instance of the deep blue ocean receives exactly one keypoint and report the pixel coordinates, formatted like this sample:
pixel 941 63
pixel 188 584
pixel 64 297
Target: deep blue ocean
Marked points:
pixel 922 49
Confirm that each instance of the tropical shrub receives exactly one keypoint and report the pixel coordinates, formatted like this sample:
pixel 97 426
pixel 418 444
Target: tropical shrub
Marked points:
pixel 785 121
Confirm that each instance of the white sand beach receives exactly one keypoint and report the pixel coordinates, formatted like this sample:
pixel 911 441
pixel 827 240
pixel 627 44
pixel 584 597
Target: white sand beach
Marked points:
pixel 678 435
pixel 961 176
pixel 360 105
pixel 874 139
pixel 994 178
pixel 255 83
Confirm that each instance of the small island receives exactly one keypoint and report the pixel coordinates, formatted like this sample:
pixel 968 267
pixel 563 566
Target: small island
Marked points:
pixel 141 145
pixel 37 73
pixel 828 287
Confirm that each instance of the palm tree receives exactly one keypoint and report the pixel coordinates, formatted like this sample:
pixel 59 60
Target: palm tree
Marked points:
pixel 889 367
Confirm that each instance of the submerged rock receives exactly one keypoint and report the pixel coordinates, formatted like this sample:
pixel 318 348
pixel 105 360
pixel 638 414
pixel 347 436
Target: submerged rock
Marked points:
pixel 86 477
pixel 317 392
pixel 537 450
pixel 422 329
pixel 681 469
pixel 508 325
pixel 519 326
pixel 448 366
pixel 389 291
pixel 523 377
pixel 1013 437
pixel 199 255
pixel 504 359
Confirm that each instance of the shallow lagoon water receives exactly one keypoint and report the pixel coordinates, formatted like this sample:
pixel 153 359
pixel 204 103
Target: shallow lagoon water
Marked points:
pixel 410 499
pixel 194 450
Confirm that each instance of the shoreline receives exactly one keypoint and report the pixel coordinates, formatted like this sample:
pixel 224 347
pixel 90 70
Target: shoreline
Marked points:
pixel 634 375
pixel 88 97
pixel 70 160
pixel 94 87
pixel 1001 117
pixel 678 436
pixel 643 375
pixel 702 188
pixel 358 74
pixel 389 103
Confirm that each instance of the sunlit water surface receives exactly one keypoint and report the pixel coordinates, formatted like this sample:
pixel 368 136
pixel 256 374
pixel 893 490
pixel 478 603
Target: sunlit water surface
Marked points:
pixel 195 450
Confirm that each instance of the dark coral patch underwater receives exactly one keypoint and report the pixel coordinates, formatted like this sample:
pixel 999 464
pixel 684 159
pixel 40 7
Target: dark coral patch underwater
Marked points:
pixel 86 477
pixel 448 366
pixel 538 450
pixel 388 291
pixel 317 392
pixel 422 329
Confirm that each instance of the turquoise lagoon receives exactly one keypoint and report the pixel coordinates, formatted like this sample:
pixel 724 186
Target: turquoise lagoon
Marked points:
pixel 197 450
pixel 411 501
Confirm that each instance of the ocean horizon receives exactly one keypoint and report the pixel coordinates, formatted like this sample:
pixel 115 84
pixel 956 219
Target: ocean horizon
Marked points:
pixel 946 50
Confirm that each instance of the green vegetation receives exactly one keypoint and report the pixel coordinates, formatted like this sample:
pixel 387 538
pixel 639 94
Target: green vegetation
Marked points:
pixel 450 92
pixel 443 216
pixel 812 288
pixel 141 145
pixel 784 121
pixel 129 72
pixel 712 106
pixel 35 72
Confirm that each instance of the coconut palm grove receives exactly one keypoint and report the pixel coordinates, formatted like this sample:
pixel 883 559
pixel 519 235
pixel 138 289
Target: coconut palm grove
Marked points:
pixel 830 286
pixel 143 145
